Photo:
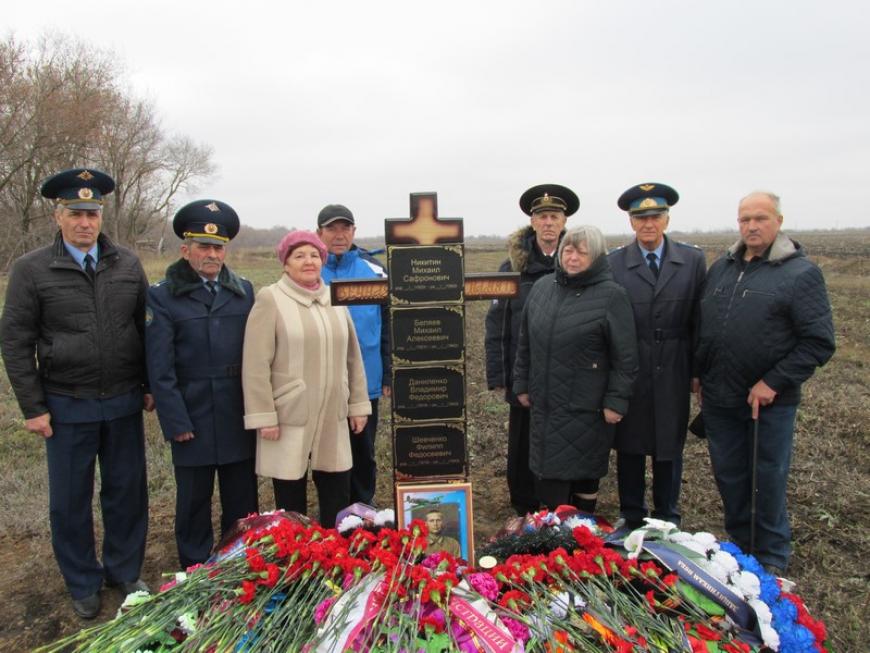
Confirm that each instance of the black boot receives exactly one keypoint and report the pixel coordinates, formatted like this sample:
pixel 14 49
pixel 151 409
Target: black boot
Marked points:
pixel 584 503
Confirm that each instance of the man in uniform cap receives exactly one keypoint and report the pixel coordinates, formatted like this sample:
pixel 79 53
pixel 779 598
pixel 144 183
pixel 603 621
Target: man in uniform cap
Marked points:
pixel 72 337
pixel 195 332
pixel 532 253
pixel 336 228
pixel 663 278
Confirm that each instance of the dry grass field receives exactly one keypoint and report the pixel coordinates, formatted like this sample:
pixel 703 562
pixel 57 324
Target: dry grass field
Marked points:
pixel 829 489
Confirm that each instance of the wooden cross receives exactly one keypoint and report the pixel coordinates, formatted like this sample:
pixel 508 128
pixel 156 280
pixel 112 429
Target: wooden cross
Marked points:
pixel 424 228
pixel 426 290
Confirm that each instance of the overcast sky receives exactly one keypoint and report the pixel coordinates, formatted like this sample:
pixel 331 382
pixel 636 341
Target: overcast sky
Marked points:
pixel 362 103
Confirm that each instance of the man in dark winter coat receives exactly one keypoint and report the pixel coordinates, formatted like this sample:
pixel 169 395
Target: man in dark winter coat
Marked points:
pixel 765 326
pixel 576 362
pixel 336 228
pixel 532 253
pixel 663 278
pixel 73 343
pixel 195 332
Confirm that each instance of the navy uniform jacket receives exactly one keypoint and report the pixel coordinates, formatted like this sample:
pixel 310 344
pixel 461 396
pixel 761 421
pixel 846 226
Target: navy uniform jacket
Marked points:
pixel 194 353
pixel 666 315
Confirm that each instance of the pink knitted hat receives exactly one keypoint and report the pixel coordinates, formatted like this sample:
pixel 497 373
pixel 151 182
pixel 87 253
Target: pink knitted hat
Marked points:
pixel 296 238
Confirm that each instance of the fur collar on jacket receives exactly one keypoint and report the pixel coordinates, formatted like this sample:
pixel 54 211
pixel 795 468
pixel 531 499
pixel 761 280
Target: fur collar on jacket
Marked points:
pixel 183 279
pixel 783 248
pixel 522 248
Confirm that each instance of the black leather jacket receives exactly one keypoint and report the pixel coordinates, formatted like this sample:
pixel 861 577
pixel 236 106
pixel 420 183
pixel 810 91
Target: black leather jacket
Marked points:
pixel 63 334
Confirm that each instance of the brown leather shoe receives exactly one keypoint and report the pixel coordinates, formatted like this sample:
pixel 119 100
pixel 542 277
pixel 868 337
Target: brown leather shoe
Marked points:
pixel 88 607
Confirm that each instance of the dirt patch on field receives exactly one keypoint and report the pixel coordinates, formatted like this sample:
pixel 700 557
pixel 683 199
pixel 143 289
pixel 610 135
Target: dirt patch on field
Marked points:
pixel 829 488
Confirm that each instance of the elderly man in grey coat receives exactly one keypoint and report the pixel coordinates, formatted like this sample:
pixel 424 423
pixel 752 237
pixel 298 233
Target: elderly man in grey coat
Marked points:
pixel 664 280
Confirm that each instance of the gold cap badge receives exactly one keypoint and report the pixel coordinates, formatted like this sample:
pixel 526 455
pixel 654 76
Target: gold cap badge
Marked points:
pixel 86 194
pixel 214 208
pixel 646 187
pixel 84 174
pixel 211 228
pixel 648 203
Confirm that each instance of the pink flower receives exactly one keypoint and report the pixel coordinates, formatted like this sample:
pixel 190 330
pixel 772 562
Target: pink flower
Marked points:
pixel 322 609
pixel 485 585
pixel 518 630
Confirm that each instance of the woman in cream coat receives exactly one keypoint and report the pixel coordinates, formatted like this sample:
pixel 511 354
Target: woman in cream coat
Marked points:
pixel 304 382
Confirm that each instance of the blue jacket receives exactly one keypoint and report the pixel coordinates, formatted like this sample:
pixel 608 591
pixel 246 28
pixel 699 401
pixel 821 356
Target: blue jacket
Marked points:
pixel 370 320
pixel 193 347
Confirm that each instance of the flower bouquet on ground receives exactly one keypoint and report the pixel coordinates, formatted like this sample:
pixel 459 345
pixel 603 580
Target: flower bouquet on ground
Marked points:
pixel 543 531
pixel 552 584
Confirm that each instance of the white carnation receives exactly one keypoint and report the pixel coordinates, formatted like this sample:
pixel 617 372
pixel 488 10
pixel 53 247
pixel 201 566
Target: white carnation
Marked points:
pixel 747 584
pixel 679 537
pixel 384 517
pixel 350 523
pixel 770 637
pixel 707 539
pixel 727 561
pixel 696 547
pixel 660 524
pixel 576 520
pixel 135 598
pixel 187 623
pixel 762 611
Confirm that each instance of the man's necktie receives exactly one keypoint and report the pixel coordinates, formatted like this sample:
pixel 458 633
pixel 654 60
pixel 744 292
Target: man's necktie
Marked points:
pixel 212 287
pixel 653 265
pixel 89 267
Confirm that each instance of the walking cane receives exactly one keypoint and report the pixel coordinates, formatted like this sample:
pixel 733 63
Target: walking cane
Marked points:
pixel 753 508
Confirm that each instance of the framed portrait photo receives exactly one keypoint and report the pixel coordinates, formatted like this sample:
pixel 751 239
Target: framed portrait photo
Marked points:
pixel 446 509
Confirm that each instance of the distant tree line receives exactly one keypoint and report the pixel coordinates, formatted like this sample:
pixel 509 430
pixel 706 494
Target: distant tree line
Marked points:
pixel 64 104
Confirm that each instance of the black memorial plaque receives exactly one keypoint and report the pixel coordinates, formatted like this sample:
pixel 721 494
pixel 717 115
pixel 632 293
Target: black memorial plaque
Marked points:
pixel 422 335
pixel 426 275
pixel 428 393
pixel 430 451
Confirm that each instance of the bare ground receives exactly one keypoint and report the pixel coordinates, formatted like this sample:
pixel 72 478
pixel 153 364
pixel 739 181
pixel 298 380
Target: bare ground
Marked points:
pixel 829 489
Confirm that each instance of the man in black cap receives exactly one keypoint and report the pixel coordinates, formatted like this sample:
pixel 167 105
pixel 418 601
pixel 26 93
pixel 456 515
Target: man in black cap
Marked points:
pixel 532 253
pixel 663 278
pixel 336 228
pixel 72 337
pixel 195 333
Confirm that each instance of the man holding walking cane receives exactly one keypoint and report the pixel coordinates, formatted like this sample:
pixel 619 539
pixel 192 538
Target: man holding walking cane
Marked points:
pixel 765 327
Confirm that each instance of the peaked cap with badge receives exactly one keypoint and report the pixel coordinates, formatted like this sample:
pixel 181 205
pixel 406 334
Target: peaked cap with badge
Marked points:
pixel 648 199
pixel 549 197
pixel 206 221
pixel 79 188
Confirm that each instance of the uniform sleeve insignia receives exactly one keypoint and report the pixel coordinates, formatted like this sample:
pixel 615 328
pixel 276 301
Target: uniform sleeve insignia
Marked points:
pixel 647 187
pixel 214 208
pixel 211 228
pixel 85 193
pixel 149 316
pixel 84 174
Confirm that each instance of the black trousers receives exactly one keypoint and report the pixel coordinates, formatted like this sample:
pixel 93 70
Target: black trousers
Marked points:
pixel 333 494
pixel 72 451
pixel 364 474
pixel 554 493
pixel 194 535
pixel 520 480
pixel 631 478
